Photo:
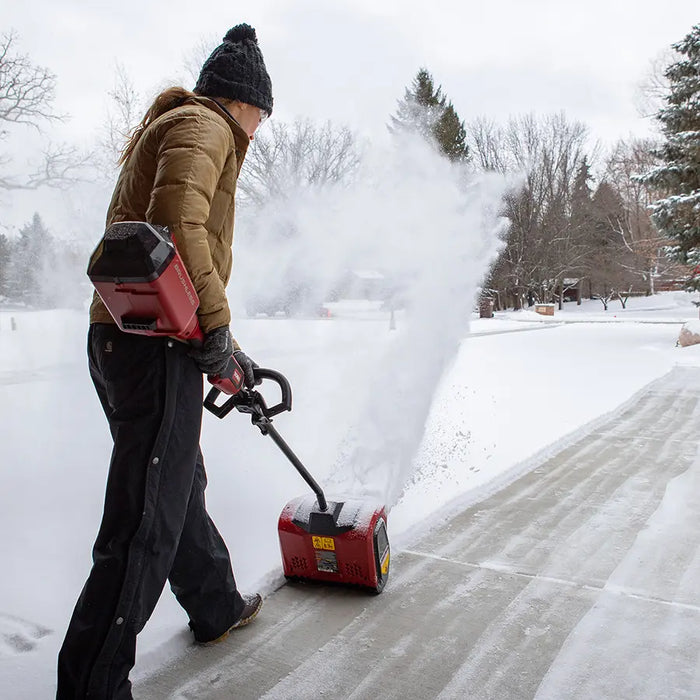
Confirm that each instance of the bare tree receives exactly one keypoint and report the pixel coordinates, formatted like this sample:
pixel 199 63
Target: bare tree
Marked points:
pixel 487 145
pixel 27 94
pixel 645 248
pixel 559 229
pixel 59 168
pixel 286 157
pixel 127 105
pixel 26 91
pixel 544 246
pixel 123 114
pixel 194 59
pixel 654 87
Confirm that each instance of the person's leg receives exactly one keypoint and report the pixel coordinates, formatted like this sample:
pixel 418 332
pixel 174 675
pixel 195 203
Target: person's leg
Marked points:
pixel 201 576
pixel 152 395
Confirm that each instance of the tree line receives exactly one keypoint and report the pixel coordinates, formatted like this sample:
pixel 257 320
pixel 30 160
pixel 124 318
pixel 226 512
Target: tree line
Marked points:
pixel 582 223
pixel 570 234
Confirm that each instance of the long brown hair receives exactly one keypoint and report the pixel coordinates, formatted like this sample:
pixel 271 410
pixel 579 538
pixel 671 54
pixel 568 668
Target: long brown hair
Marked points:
pixel 168 99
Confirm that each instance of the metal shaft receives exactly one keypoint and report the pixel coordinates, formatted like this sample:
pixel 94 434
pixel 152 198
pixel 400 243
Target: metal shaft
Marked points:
pixel 279 441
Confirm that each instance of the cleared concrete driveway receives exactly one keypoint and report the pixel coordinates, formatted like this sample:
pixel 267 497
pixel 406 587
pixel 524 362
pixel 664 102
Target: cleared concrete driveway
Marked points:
pixel 579 580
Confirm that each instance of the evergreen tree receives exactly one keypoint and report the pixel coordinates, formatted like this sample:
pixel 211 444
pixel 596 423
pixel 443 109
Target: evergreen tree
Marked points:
pixel 608 212
pixel 611 264
pixel 676 215
pixel 581 198
pixel 581 222
pixel 424 109
pixel 420 108
pixel 451 135
pixel 29 262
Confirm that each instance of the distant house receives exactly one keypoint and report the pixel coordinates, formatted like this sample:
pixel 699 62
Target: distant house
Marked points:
pixel 572 289
pixel 363 284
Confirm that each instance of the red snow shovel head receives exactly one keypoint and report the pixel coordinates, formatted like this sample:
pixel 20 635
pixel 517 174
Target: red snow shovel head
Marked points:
pixel 347 543
pixel 343 542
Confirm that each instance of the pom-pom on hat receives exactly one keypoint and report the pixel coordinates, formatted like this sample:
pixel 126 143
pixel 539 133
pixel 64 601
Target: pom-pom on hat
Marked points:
pixel 236 70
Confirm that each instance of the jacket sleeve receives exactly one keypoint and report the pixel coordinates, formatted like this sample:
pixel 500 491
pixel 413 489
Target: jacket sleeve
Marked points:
pixel 192 151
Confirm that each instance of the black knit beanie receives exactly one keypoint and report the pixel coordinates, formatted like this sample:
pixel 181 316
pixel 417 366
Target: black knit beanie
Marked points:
pixel 236 70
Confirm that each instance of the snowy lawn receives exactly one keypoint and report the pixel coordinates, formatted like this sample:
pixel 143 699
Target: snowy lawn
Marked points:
pixel 505 400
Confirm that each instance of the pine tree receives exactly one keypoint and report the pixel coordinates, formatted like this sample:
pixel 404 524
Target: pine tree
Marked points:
pixel 676 215
pixel 451 135
pixel 581 197
pixel 29 262
pixel 420 108
pixel 581 218
pixel 425 110
pixel 608 213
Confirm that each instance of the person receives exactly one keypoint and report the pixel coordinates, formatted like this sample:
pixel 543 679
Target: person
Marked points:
pixel 179 170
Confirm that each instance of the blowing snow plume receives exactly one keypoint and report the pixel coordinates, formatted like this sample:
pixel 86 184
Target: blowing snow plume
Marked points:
pixel 431 232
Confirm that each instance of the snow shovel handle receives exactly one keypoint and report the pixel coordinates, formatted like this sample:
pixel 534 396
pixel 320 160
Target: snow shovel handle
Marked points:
pixel 251 401
pixel 285 403
pixel 267 428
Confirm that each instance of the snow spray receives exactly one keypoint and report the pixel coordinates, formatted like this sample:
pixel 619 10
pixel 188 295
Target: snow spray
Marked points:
pixel 432 230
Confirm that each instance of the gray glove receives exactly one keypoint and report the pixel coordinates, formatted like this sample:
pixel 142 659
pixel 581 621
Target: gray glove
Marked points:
pixel 215 352
pixel 247 365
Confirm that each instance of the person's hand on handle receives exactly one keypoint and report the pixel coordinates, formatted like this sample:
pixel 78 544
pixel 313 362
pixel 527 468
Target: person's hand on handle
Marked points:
pixel 247 365
pixel 215 351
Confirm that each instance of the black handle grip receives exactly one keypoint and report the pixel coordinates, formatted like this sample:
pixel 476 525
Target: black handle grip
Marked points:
pixel 285 403
pixel 250 401
pixel 220 410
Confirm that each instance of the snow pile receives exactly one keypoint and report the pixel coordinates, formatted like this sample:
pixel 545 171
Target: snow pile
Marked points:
pixel 690 334
pixel 495 417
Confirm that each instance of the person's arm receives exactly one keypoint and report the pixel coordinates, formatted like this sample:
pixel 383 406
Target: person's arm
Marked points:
pixel 192 151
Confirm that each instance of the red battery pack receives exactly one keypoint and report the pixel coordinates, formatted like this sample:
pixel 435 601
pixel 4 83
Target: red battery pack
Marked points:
pixel 138 272
pixel 144 284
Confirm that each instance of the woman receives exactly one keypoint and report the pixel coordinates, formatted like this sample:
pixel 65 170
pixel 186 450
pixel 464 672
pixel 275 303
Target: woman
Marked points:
pixel 179 170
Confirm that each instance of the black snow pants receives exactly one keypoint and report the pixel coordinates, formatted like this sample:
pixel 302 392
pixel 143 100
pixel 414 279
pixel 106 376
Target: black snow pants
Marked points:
pixel 155 526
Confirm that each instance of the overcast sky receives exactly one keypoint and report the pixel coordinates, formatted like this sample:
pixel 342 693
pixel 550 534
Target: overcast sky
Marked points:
pixel 346 60
pixel 350 60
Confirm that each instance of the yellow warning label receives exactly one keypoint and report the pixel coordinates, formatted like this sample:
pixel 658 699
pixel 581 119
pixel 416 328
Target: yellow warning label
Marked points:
pixel 323 543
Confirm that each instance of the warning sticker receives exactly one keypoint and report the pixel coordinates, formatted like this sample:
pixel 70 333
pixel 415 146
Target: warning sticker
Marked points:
pixel 326 543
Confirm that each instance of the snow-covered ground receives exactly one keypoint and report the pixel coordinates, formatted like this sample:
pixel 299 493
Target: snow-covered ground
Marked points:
pixel 519 387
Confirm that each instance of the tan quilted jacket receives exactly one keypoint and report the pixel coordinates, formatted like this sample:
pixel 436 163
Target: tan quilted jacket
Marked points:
pixel 182 174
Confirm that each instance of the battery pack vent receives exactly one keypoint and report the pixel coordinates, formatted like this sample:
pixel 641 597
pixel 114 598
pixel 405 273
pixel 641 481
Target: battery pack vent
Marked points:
pixel 139 324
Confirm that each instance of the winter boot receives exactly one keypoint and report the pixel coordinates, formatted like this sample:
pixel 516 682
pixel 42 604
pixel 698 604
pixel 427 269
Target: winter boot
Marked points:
pixel 253 604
